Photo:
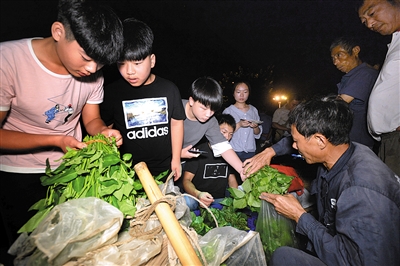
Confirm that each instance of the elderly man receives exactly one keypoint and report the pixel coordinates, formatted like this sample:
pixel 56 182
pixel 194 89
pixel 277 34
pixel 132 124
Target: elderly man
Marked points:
pixel 357 195
pixel 383 116
pixel 355 86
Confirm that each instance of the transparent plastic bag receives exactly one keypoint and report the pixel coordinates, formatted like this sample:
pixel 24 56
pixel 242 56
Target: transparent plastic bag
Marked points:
pixel 72 229
pixel 275 230
pixel 232 247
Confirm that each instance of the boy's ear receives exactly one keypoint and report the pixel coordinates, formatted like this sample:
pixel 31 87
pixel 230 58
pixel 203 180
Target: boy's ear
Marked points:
pixel 191 101
pixel 57 30
pixel 153 60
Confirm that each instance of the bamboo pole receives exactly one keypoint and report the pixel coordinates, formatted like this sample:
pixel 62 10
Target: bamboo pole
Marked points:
pixel 170 224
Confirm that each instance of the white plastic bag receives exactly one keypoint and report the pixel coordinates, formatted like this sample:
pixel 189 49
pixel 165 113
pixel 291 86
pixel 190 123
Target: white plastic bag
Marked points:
pixel 72 229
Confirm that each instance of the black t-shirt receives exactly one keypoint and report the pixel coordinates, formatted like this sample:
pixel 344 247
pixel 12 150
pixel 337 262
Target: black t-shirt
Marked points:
pixel 143 116
pixel 210 173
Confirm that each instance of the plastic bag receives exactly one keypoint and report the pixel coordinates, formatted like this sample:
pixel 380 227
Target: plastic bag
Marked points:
pixel 232 247
pixel 72 229
pixel 275 230
pixel 133 252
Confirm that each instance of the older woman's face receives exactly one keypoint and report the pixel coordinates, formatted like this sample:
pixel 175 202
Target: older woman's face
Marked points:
pixel 380 16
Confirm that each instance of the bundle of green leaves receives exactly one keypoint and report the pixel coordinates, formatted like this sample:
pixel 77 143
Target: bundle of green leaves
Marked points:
pixel 267 179
pixel 227 216
pixel 94 171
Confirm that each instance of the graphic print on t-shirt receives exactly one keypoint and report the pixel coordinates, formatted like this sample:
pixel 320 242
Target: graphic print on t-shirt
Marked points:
pixel 215 170
pixel 145 112
pixel 58 108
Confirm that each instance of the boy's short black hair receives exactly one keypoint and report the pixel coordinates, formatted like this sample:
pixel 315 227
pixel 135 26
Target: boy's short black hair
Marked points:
pixel 95 27
pixel 226 119
pixel 208 92
pixel 138 40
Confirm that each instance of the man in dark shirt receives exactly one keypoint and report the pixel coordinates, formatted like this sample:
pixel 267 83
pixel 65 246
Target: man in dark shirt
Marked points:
pixel 357 195
pixel 355 86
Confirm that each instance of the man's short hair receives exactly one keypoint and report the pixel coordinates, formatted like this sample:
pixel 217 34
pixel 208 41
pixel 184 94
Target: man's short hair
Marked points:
pixel 346 42
pixel 328 116
pixel 95 27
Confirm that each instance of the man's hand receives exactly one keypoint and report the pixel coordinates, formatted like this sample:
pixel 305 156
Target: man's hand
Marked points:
pixel 287 205
pixel 205 198
pixel 258 161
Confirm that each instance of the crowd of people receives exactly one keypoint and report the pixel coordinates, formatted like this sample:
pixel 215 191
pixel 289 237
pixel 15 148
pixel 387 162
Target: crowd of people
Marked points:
pixel 353 136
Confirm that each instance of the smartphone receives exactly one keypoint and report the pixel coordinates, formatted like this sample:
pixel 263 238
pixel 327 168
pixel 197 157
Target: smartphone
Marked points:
pixel 253 121
pixel 197 152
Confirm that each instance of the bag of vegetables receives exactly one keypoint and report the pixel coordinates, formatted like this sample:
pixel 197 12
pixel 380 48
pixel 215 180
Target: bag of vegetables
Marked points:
pixel 275 230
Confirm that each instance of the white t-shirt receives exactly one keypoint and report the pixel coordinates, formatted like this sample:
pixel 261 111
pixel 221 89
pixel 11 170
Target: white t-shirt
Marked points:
pixel 40 102
pixel 384 101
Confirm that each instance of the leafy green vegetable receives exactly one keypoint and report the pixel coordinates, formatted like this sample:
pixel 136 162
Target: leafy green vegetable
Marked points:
pixel 96 170
pixel 279 233
pixel 267 179
pixel 227 216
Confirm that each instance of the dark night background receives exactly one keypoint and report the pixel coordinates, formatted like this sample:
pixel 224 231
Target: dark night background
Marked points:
pixel 277 45
pixel 280 46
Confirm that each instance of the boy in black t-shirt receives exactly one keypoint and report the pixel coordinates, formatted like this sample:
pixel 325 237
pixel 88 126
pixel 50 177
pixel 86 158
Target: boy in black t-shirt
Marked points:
pixel 145 108
pixel 207 177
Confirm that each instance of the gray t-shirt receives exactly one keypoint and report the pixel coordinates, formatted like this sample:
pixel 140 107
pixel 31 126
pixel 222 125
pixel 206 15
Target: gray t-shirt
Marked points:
pixel 195 131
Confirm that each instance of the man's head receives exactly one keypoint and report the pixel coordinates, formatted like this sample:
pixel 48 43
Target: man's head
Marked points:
pixel 382 16
pixel 205 98
pixel 345 54
pixel 294 100
pixel 227 125
pixel 316 123
pixel 136 59
pixel 96 28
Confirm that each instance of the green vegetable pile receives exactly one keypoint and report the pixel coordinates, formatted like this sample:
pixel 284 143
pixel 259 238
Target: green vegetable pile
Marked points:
pixel 267 179
pixel 227 216
pixel 94 171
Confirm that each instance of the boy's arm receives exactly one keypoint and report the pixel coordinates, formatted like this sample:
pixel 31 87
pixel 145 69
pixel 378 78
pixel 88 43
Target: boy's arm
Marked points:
pixel 20 141
pixel 176 142
pixel 231 157
pixel 263 158
pixel 188 186
pixel 205 197
pixel 232 182
pixel 94 124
